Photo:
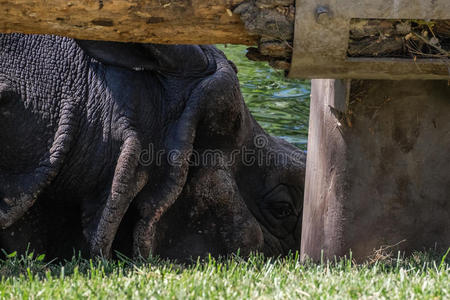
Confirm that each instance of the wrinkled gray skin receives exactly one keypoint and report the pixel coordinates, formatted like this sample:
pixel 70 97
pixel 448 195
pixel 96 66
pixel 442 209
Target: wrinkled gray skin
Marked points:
pixel 78 122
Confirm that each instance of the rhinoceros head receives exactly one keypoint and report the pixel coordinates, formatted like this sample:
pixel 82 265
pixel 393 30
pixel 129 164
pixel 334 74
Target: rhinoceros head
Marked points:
pixel 244 188
pixel 231 186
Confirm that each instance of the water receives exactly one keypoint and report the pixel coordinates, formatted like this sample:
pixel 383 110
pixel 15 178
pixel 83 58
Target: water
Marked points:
pixel 280 105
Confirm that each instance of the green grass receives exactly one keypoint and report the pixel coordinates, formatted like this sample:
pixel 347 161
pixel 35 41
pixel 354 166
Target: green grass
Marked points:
pixel 420 276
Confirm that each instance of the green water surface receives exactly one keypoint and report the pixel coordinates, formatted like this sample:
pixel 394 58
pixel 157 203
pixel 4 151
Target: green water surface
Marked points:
pixel 280 105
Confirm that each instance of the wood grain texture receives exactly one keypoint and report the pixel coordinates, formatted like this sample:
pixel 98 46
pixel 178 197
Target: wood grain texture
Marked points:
pixel 155 21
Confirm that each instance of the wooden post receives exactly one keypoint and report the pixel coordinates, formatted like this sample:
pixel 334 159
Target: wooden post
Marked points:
pixel 378 168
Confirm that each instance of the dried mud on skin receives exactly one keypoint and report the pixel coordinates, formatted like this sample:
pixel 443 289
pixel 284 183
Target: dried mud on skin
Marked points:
pixel 273 22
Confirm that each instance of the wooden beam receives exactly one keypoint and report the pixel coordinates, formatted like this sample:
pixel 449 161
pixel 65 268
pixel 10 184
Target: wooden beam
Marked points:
pixel 154 21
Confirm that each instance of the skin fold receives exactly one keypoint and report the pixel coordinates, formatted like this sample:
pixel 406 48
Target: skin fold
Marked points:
pixel 137 148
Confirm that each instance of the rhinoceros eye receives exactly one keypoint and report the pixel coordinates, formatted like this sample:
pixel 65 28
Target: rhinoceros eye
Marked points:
pixel 279 203
pixel 281 210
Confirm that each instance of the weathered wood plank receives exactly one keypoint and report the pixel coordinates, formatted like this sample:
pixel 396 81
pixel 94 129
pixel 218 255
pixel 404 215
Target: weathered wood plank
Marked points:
pixel 269 24
pixel 157 21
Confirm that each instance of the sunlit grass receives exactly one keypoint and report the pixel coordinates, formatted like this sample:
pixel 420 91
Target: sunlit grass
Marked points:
pixel 420 276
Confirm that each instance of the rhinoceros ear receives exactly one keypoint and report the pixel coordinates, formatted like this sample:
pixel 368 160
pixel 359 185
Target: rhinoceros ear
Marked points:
pixel 186 59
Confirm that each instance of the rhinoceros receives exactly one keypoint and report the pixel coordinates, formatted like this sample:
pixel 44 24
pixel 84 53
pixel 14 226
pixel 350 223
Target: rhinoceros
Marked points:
pixel 140 148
